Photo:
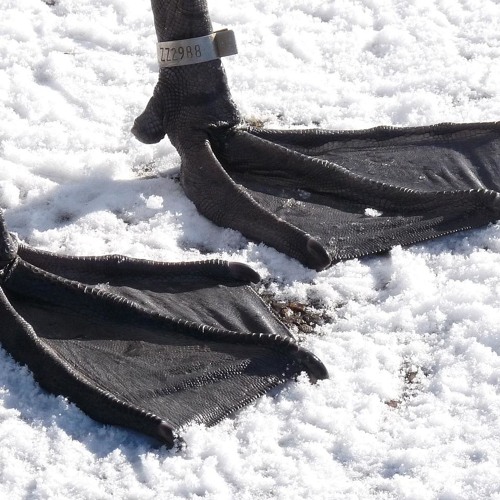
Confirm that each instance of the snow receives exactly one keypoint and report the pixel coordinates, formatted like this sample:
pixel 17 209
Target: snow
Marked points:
pixel 412 340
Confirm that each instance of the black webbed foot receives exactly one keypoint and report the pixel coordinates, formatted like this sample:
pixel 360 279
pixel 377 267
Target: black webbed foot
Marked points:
pixel 148 345
pixel 362 193
pixel 318 196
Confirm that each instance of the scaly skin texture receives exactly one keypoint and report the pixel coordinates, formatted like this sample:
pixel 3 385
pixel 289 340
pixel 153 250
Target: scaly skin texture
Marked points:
pixel 230 171
pixel 189 100
pixel 188 104
pixel 192 105
pixel 145 349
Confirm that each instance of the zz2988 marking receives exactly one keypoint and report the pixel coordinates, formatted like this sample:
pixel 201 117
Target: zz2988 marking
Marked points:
pixel 175 54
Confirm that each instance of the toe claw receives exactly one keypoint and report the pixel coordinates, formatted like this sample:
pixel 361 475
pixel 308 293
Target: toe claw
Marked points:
pixel 318 257
pixel 242 272
pixel 315 369
pixel 165 434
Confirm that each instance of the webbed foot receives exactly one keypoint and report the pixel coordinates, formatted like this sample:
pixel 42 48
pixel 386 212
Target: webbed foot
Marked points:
pixel 317 196
pixel 147 345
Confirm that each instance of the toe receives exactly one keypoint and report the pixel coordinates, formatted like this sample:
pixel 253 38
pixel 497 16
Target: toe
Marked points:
pixel 317 257
pixel 148 127
pixel 242 272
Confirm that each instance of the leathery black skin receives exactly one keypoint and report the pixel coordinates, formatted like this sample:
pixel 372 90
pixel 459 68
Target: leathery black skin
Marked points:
pixel 196 104
pixel 157 389
pixel 192 105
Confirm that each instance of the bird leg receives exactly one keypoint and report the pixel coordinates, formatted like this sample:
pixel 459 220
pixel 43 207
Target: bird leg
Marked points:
pixel 192 105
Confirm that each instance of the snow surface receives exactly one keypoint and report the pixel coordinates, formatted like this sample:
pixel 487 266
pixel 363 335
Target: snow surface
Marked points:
pixel 412 408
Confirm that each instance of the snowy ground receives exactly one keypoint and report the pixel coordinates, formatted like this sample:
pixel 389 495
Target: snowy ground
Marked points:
pixel 412 408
